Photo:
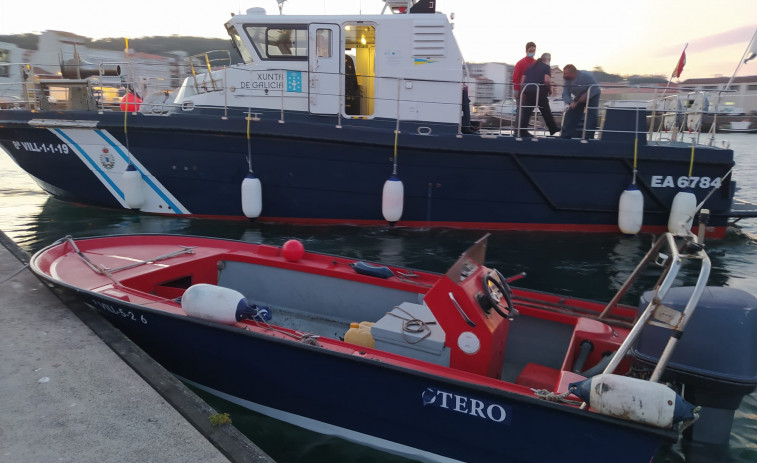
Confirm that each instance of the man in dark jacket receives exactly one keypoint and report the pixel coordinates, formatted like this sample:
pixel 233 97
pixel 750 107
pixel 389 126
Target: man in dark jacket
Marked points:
pixel 536 89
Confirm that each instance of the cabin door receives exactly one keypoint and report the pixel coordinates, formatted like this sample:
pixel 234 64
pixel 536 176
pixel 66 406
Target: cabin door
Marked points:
pixel 325 55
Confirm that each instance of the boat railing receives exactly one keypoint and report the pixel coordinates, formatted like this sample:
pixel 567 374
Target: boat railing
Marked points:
pixel 520 106
pixel 684 109
pixel 656 313
pixel 655 109
pixel 679 114
pixel 205 60
pixel 16 89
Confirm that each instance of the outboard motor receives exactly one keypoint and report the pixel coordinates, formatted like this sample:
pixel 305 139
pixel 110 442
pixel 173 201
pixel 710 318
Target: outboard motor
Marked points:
pixel 716 358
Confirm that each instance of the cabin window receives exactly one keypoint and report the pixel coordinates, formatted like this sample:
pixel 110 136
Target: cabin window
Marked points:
pixel 359 68
pixel 280 42
pixel 5 58
pixel 323 43
pixel 236 41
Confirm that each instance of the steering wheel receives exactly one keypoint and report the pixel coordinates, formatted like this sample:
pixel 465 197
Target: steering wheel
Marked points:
pixel 496 287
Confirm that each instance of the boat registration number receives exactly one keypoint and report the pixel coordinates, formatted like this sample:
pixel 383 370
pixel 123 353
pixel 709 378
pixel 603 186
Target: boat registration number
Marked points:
pixel 663 181
pixel 129 315
pixel 33 147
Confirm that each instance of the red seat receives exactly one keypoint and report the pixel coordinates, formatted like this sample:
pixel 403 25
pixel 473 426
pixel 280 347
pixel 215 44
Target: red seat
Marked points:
pixel 538 377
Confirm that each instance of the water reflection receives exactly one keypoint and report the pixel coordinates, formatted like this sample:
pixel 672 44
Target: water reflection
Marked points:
pixel 587 266
pixel 590 266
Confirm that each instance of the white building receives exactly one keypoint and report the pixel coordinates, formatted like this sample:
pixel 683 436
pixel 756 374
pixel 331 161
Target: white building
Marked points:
pixel 492 80
pixel 11 70
pixel 741 99
pixel 146 72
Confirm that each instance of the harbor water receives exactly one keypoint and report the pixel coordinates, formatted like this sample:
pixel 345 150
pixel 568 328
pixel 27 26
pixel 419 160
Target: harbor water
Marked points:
pixel 589 266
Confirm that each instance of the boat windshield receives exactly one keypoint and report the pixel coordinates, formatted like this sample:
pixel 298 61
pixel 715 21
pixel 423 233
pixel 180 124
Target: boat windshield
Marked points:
pixel 280 41
pixel 469 261
pixel 236 41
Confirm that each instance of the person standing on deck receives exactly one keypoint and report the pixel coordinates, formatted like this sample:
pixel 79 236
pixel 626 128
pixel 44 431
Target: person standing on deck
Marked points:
pixel 537 87
pixel 521 66
pixel 580 92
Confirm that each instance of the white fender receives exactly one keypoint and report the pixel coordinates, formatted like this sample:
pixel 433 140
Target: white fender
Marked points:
pixel 134 196
pixel 392 199
pixel 631 210
pixel 682 212
pixel 252 196
pixel 214 303
pixel 634 399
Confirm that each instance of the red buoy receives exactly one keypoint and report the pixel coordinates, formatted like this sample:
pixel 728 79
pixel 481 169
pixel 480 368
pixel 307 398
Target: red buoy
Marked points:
pixel 293 250
pixel 130 102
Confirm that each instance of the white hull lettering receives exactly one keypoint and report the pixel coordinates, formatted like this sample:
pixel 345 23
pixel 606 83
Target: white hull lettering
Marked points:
pixel 33 147
pixel 264 81
pixel 467 405
pixel 662 181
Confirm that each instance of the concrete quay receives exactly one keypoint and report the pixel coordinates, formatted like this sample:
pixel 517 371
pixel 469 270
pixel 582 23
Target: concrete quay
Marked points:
pixel 74 389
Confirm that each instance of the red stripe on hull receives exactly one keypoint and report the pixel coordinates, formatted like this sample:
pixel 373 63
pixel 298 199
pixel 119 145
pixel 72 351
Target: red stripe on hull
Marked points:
pixel 712 232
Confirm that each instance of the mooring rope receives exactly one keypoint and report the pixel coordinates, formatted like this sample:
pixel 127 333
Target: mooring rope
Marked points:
pixel 412 325
pixel 14 274
pixel 553 397
pixel 301 336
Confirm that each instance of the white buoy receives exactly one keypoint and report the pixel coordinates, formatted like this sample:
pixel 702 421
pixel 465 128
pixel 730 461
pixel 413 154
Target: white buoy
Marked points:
pixel 631 210
pixel 252 196
pixel 214 303
pixel 134 195
pixel 634 399
pixel 682 212
pixel 392 199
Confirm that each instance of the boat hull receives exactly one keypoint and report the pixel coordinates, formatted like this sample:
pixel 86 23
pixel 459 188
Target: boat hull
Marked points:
pixel 389 407
pixel 313 172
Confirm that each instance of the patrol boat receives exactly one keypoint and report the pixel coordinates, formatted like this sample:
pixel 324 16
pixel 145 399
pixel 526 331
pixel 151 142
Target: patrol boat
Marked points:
pixel 436 367
pixel 351 120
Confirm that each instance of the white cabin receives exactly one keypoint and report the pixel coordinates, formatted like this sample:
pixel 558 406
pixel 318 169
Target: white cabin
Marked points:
pixel 360 66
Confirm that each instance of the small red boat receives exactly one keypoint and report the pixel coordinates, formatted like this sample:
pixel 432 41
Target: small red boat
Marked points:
pixel 436 367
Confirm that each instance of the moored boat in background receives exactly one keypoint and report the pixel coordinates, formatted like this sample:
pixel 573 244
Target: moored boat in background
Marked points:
pixel 744 126
pixel 327 111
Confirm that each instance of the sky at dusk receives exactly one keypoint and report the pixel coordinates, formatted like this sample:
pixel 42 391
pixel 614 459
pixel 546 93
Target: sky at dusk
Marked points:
pixel 636 37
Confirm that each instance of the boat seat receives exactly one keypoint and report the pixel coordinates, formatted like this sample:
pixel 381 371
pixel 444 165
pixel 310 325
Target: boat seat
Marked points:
pixel 602 338
pixel 538 376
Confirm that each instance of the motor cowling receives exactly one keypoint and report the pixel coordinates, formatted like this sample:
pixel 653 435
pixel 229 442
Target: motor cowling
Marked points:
pixel 716 358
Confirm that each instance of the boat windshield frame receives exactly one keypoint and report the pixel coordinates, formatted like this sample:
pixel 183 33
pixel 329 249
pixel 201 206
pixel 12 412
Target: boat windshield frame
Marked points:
pixel 264 46
pixel 239 46
pixel 469 261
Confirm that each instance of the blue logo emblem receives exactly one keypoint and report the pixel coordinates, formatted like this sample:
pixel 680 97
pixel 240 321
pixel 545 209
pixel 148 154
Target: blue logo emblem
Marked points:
pixel 294 81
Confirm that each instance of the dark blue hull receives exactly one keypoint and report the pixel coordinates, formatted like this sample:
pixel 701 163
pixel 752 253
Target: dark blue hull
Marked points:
pixel 393 408
pixel 313 172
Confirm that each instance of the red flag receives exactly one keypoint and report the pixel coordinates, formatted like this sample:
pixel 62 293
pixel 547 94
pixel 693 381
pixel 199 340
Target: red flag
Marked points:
pixel 679 67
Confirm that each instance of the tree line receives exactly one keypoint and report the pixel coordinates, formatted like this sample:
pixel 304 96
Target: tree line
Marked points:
pixel 159 45
pixel 156 45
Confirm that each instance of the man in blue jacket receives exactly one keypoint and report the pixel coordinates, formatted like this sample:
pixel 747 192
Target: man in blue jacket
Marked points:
pixel 580 88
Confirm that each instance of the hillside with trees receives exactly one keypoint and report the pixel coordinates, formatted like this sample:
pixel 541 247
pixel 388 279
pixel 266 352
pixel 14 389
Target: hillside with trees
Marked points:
pixel 193 45
pixel 153 45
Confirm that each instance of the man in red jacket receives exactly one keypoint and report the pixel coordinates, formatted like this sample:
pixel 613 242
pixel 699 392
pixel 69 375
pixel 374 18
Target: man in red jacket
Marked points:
pixel 521 66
